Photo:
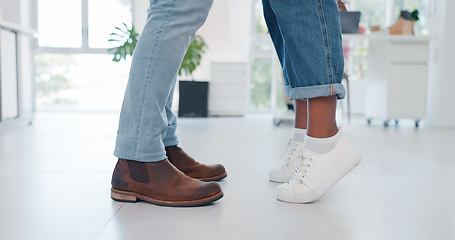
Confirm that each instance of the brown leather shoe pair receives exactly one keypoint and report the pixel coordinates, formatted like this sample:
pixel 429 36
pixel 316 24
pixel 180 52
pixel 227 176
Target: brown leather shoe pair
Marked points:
pixel 167 184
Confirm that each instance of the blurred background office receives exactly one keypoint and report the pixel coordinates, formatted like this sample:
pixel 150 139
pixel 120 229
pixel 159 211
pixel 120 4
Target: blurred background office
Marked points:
pixel 65 65
pixel 61 93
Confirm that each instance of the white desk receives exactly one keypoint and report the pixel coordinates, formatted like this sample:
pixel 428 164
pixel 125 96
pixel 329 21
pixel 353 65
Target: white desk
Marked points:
pixel 396 77
pixel 383 37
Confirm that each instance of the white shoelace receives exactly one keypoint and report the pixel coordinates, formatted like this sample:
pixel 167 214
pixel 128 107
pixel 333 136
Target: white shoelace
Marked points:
pixel 291 148
pixel 289 144
pixel 302 169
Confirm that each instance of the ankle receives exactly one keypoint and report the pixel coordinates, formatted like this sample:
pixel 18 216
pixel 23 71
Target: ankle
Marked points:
pixel 319 132
pixel 321 145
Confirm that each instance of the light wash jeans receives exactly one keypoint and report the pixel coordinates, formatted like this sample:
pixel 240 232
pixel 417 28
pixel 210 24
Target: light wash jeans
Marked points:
pixel 307 38
pixel 146 123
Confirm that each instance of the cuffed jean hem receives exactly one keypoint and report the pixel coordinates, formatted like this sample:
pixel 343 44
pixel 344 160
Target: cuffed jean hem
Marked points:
pixel 303 93
pixel 154 155
pixel 143 157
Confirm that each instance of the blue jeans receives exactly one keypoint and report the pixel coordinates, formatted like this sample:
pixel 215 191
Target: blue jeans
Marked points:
pixel 147 123
pixel 307 38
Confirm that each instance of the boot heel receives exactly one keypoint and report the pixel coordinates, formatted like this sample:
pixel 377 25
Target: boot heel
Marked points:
pixel 121 196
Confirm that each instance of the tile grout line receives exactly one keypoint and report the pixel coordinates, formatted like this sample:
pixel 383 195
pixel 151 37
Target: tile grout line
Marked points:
pixel 110 219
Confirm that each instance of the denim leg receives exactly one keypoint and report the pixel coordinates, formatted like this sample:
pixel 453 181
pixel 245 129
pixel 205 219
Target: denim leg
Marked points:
pixel 170 139
pixel 311 36
pixel 278 41
pixel 170 27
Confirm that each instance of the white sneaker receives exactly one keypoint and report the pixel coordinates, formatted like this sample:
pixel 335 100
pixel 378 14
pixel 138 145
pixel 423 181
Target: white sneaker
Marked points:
pixel 317 173
pixel 286 171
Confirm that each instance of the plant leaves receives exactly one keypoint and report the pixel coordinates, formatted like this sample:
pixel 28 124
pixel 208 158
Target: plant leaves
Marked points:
pixel 128 41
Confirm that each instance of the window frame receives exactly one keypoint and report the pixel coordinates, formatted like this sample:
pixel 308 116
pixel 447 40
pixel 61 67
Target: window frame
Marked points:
pixel 85 48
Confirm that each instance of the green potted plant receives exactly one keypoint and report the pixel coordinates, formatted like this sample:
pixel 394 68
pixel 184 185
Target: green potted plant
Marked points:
pixel 193 56
pixel 193 97
pixel 128 37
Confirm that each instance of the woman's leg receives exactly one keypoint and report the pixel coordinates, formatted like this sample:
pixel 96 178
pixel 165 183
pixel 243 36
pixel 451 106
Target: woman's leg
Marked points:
pixel 321 120
pixel 311 33
pixel 312 37
pixel 285 171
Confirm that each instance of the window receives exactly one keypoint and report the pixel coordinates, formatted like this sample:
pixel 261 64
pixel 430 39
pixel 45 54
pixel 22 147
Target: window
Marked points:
pixel 82 82
pixel 103 16
pixel 73 69
pixel 261 77
pixel 266 75
pixel 373 11
pixel 60 23
pixel 261 26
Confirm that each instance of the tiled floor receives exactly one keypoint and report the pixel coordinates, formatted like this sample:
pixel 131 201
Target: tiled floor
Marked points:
pixel 55 182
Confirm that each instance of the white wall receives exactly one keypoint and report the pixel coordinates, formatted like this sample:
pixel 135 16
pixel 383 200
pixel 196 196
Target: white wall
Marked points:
pixel 441 99
pixel 226 32
pixel 139 12
pixel 11 10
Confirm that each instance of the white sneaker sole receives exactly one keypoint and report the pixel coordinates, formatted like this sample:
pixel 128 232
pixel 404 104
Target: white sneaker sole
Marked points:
pixel 282 178
pixel 337 175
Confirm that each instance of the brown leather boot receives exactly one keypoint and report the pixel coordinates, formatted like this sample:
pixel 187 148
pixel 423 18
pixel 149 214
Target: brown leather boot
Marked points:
pixel 191 168
pixel 160 183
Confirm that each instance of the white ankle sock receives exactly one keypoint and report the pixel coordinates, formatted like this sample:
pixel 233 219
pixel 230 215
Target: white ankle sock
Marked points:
pixel 321 145
pixel 298 134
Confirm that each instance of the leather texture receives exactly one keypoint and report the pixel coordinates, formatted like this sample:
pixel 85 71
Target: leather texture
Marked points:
pixel 185 163
pixel 166 186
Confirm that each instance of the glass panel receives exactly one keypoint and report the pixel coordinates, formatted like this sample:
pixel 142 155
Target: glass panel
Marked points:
pixel 281 99
pixel 261 26
pixel 59 23
pixel 261 84
pixel 104 16
pixel 373 12
pixel 86 82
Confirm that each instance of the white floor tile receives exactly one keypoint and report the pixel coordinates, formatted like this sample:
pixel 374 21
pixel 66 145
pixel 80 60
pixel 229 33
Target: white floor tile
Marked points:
pixel 55 176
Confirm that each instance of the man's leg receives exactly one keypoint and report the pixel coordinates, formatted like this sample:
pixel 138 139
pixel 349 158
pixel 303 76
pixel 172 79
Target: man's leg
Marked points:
pixel 143 171
pixel 170 138
pixel 182 160
pixel 170 27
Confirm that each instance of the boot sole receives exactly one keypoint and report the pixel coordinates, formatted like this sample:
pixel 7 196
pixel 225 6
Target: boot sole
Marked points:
pixel 132 197
pixel 214 178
